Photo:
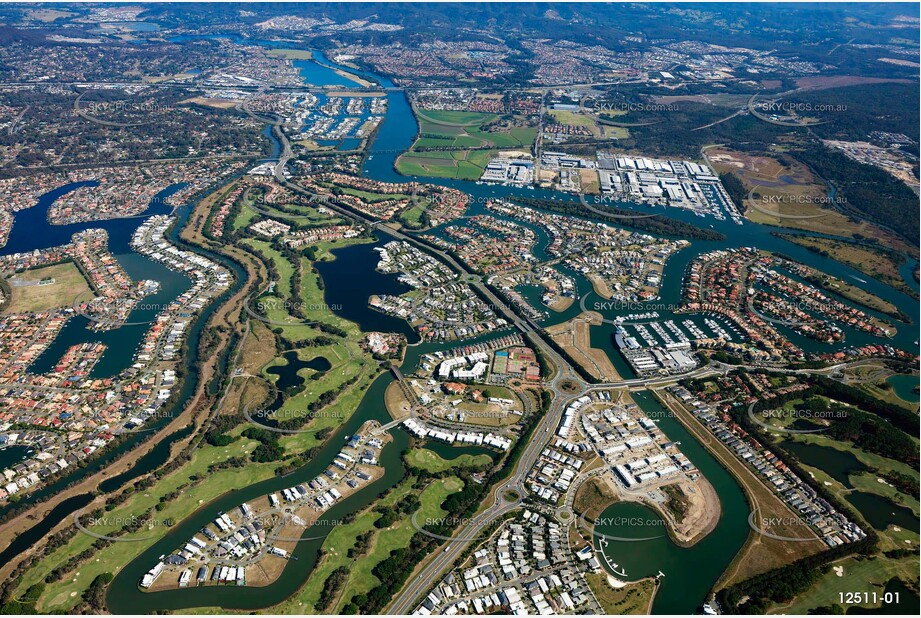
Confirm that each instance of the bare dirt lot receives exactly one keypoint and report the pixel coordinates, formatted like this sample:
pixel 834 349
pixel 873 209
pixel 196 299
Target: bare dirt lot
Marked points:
pixel 575 338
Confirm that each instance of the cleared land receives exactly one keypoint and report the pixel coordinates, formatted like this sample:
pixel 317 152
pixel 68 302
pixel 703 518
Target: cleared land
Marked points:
pixel 68 284
pixel 458 164
pixel 291 54
pixel 787 194
pixel 576 119
pixel 592 498
pixel 574 337
pixel 442 148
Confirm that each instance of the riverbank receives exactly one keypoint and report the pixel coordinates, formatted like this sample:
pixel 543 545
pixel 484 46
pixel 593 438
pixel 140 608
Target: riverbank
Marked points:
pixel 283 528
pixel 191 418
pixel 759 553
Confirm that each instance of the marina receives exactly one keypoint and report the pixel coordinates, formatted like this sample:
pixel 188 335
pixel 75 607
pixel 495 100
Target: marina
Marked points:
pixel 653 333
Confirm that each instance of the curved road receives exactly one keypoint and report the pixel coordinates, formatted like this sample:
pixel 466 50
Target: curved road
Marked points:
pixel 543 433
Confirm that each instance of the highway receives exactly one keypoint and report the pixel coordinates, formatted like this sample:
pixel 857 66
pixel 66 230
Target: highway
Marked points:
pixel 545 431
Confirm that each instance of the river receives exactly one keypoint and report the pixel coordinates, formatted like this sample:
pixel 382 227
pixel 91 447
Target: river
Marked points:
pixel 689 573
pixel 31 230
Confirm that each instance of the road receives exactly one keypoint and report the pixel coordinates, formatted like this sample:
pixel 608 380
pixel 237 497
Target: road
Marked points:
pixel 565 384
pixel 565 375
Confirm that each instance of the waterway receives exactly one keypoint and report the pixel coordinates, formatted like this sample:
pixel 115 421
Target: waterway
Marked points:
pixel 36 225
pixel 905 387
pixel 12 455
pixel 289 379
pixel 31 230
pixel 837 464
pixel 881 513
pixel 689 573
pixel 351 278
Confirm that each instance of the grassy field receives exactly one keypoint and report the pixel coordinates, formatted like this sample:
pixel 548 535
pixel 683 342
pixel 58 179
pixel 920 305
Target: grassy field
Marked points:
pixel 247 214
pixel 64 594
pixel 345 366
pixel 458 164
pixel 374 197
pixel 69 283
pixel 878 263
pixel 300 215
pixel 630 600
pixel 439 117
pixel 291 54
pixel 361 579
pixel 574 119
pixel 413 216
pixel 284 267
pixel 343 537
pixel 335 552
pixel 455 133
pixel 430 461
pixel 243 219
pixel 306 212
pixel 860 575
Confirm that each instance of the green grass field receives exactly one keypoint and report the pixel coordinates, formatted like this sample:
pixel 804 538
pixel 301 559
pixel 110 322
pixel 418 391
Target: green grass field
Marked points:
pixel 459 132
pixel 375 197
pixel 361 579
pixel 343 537
pixel 282 265
pixel 574 119
pixel 243 219
pixel 858 576
pixel 430 461
pixel 64 594
pixel 459 164
pixel 455 118
pixel 69 284
pixel 335 551
pixel 435 142
pixel 345 366
pixel 412 216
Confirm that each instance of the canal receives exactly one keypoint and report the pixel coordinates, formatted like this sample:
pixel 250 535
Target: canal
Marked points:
pixel 689 573
pixel 34 231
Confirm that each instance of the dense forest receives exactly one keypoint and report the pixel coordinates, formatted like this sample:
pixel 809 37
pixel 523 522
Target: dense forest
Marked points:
pixel 870 192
